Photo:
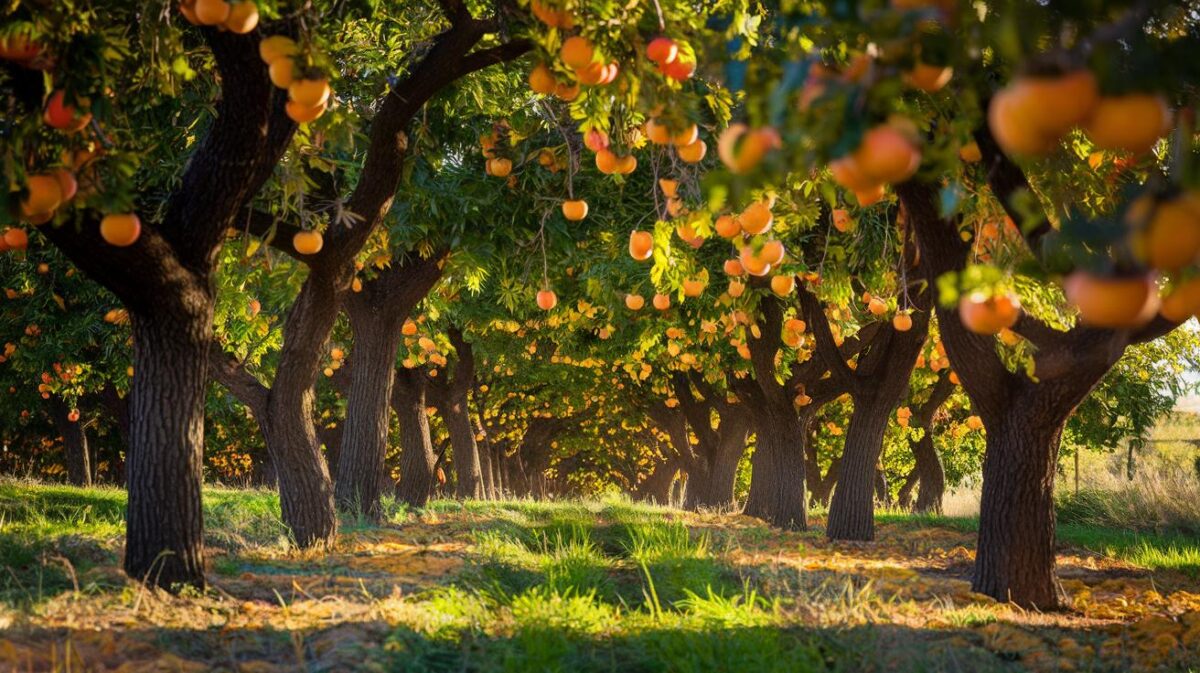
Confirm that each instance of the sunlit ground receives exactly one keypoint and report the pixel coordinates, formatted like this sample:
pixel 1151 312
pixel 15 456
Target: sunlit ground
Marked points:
pixel 595 586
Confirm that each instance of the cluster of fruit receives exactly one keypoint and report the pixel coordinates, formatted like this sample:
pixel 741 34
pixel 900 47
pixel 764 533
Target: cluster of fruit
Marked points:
pixel 46 192
pixel 236 17
pixel 308 90
pixel 887 154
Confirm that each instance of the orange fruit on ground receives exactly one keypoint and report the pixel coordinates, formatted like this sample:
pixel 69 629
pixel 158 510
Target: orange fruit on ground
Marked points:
pixel 929 78
pixel 634 302
pixel 1182 302
pixel 577 52
pixel 641 245
pixel 662 50
pixel 309 92
pixel 733 267
pixel 275 47
pixel 303 114
pixel 693 153
pixel 756 218
pixel 902 322
pixel 546 299
pixel 736 288
pixel 886 155
pixel 984 314
pixel 727 226
pixel 16 239
pixel 121 230
pixel 45 195
pixel 308 242
pixel 1171 237
pixel 282 72
pixel 1116 303
pixel 842 220
pixel 783 285
pixel 212 12
pixel 657 133
pixel 243 17
pixel 499 167
pixel 1131 123
pixel 772 252
pixel 541 80
pixel 575 210
pixel 661 302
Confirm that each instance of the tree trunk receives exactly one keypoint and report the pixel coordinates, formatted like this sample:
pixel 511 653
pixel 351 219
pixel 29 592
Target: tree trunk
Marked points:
pixel 904 495
pixel 1015 557
pixel 417 459
pixel 485 460
pixel 467 467
pixel 777 491
pixel 852 510
pixel 368 404
pixel 656 488
pixel 75 444
pixel 712 487
pixel 930 474
pixel 164 517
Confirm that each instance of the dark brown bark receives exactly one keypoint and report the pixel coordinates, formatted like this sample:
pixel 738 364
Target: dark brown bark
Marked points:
pixel 656 487
pixel 453 405
pixel 484 448
pixel 376 316
pixel 929 472
pixel 852 509
pixel 417 459
pixel 76 459
pixel 711 464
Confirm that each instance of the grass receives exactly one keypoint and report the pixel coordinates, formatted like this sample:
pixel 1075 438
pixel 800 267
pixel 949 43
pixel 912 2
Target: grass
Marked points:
pixel 535 586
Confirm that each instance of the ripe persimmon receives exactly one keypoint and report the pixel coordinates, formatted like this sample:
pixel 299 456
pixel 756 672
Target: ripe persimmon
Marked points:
pixel 1170 238
pixel 499 167
pixel 16 238
pixel 679 69
pixel 541 79
pixel 1132 123
pixel 641 245
pixel 693 153
pixel 634 302
pixel 741 148
pixel 577 52
pixel 842 220
pixel 772 252
pixel 662 50
pixel 243 17
pixel 309 92
pixel 607 162
pixel 67 183
pixel 670 188
pixel 212 12
pixel 303 114
pixel 783 285
pixel 661 302
pixel 657 133
pixel 575 210
pixel 45 195
pixel 1113 302
pixel 275 47
pixel 121 230
pixel 736 288
pixel 902 322
pixel 886 155
pixel 308 242
pixel 546 299
pixel 282 72
pixel 59 115
pixel 693 287
pixel 988 314
pixel 686 136
pixel 928 78
pixel 1031 114
pixel 1182 302
pixel 756 218
pixel 733 267
pixel 727 226
pixel 869 196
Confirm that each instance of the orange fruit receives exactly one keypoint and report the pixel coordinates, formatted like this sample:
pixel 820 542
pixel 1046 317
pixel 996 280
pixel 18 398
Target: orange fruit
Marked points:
pixel 733 267
pixel 607 162
pixel 16 239
pixel 575 210
pixel 661 302
pixel 546 299
pixel 303 114
pixel 877 306
pixel 577 51
pixel 727 226
pixel 1123 302
pixel 67 183
pixel 736 288
pixel 595 140
pixel 772 252
pixel 741 148
pixel 591 74
pixel 567 92
pixel 886 155
pixel 1182 302
pixel 869 196
pixel 692 153
pixel 679 69
pixel 541 80
pixel 45 195
pixel 847 173
pixel 275 47
pixel 308 242
pixel 212 12
pixel 243 18
pixel 1032 113
pixel 657 133
pixel 282 72
pixel 499 167
pixel 783 285
pixel 121 230
pixel 626 164
pixel 64 117
pixel 188 9
pixel 842 220
pixel 670 188
pixel 752 263
pixel 641 245
pixel 662 50
pixel 970 153
pixel 19 47
pixel 634 302
pixel 1171 238
pixel 687 136
pixel 929 78
pixel 309 92
pixel 409 328
pixel 756 218
pixel 1132 123
pixel 902 322
pixel 984 314
pixel 693 287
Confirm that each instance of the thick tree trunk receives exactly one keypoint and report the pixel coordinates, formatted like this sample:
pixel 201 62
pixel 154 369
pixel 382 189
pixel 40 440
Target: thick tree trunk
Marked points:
pixel 417 459
pixel 930 474
pixel 467 468
pixel 777 490
pixel 484 450
pixel 712 487
pixel 1015 557
pixel 852 510
pixel 164 518
pixel 368 404
pixel 76 458
pixel 656 488
pixel 904 495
